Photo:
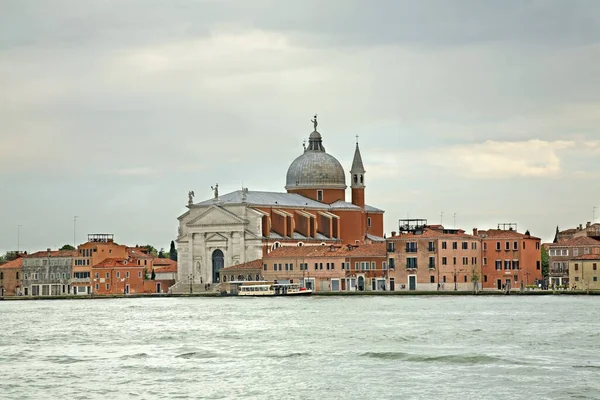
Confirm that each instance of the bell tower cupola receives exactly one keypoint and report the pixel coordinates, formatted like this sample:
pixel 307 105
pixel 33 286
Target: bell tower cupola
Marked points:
pixel 357 178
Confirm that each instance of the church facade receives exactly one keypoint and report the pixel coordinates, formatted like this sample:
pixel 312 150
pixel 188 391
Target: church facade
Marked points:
pixel 246 225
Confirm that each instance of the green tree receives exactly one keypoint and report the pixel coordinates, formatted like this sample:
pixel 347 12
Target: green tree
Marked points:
pixel 151 249
pixel 173 252
pixel 67 247
pixel 545 263
pixel 153 274
pixel 161 253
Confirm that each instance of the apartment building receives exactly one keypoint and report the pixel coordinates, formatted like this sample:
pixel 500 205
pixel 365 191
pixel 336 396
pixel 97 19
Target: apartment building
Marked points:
pixel 583 272
pixel 561 254
pixel 48 273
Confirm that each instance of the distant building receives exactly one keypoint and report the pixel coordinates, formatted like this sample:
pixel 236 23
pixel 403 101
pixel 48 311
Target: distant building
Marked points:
pixel 118 276
pixel 431 257
pixel 245 225
pixel 320 268
pixel 561 253
pixel 11 275
pixel 165 268
pixel 510 259
pixel 48 273
pixel 583 272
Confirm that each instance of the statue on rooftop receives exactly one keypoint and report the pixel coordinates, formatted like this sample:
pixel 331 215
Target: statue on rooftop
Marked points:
pixel 190 197
pixel 216 190
pixel 315 123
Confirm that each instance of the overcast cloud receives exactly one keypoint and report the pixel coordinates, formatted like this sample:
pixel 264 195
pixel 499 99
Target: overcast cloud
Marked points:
pixel 112 111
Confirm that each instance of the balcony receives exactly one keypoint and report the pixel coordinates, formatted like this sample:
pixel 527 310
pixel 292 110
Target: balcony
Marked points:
pixel 80 280
pixel 411 249
pixel 431 266
pixel 411 266
pixel 391 249
pixel 431 249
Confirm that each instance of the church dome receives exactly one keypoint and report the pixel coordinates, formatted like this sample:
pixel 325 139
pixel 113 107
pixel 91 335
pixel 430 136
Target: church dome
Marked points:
pixel 315 169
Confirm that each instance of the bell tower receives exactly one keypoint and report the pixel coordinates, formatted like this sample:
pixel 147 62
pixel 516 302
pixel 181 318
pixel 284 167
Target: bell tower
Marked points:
pixel 357 179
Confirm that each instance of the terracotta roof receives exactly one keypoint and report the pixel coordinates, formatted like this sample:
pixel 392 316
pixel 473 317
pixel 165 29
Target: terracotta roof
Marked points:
pixel 16 263
pixel 256 264
pixel 434 233
pixel 576 241
pixel 377 249
pixel 164 265
pixel 587 257
pixel 138 252
pixel 162 262
pixel 53 253
pixel 502 234
pixel 117 262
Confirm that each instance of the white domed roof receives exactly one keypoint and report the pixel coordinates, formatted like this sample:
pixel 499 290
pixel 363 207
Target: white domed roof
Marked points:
pixel 315 169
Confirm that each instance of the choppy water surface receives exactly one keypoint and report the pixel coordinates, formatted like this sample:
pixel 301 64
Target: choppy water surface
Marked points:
pixel 317 348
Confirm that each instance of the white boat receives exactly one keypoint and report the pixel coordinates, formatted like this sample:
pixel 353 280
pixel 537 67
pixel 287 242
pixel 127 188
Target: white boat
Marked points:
pixel 258 288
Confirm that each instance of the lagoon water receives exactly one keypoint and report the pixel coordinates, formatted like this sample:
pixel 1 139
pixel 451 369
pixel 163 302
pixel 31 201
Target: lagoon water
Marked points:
pixel 391 347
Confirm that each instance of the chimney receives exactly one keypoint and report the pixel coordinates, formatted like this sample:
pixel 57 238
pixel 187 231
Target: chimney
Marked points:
pixel 48 250
pixel 475 231
pixel 393 233
pixel 588 224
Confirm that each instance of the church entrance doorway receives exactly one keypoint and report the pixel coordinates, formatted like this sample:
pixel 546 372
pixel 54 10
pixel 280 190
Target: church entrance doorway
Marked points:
pixel 218 262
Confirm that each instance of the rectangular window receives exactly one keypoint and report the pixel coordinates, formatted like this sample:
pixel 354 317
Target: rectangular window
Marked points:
pixel 516 278
pixel 465 260
pixel 537 245
pixel 453 260
pixel 523 245
pixel 411 247
pixel 498 265
pixel 383 265
pixel 411 262
pixel 593 267
pixel 576 279
pixel 586 250
pixel 320 265
pixel 431 262
pixel 515 245
pixel 537 265
pixel 126 274
pixel 507 246
pixel 108 286
pixel 515 264
pixel 473 245
pixel 465 245
pixel 327 265
pixel 280 266
pixel 118 274
pixel 444 245
pixel 97 275
pixel 431 279
pixel 576 267
pixel 455 245
pixel 444 279
pixel 369 222
pixel 107 275
pixel 356 265
pixel 465 278
pixel 485 278
pixel 139 274
pixel 575 252
pixel 97 286
pixel 431 246
pixel 319 195
pixel 484 246
pixel 332 266
pixel 506 264
pixel 498 246
pixel 264 267
pixel 444 261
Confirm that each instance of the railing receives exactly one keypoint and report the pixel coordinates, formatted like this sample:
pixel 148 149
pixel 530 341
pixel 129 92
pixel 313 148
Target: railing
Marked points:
pixel 80 280
pixel 391 250
pixel 411 266
pixel 411 249
pixel 431 266
pixel 431 249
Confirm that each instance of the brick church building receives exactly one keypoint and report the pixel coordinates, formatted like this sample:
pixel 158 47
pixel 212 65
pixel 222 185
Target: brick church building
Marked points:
pixel 246 225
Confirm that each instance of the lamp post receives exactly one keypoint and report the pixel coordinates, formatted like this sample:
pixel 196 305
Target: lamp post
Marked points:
pixel 18 238
pixel 191 279
pixel 75 231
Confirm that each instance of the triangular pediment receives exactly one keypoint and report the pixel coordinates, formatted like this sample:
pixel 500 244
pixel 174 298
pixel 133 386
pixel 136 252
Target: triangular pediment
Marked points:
pixel 215 237
pixel 216 215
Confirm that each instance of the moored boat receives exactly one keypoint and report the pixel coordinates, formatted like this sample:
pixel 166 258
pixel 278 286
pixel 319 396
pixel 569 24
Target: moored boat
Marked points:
pixel 261 288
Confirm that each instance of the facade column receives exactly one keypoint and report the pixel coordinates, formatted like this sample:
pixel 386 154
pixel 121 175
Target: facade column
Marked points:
pixel 229 250
pixel 242 246
pixel 206 263
pixel 191 265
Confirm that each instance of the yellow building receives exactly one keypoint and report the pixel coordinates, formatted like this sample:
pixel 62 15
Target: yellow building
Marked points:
pixel 583 272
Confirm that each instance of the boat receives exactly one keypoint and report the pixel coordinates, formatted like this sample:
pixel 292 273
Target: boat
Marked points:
pixel 262 288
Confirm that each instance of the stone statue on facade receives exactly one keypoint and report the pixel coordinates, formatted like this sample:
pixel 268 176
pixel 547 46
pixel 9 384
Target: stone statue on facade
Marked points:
pixel 244 193
pixel 215 189
pixel 314 121
pixel 190 197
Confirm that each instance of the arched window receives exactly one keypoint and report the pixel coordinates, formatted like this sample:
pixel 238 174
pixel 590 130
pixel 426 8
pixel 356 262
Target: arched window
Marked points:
pixel 300 244
pixel 249 277
pixel 224 278
pixel 361 179
pixel 240 277
pixel 218 262
pixel 276 245
pixel 232 278
pixel 355 178
pixel 257 277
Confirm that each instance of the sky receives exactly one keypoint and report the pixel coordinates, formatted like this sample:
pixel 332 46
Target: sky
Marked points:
pixel 487 112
